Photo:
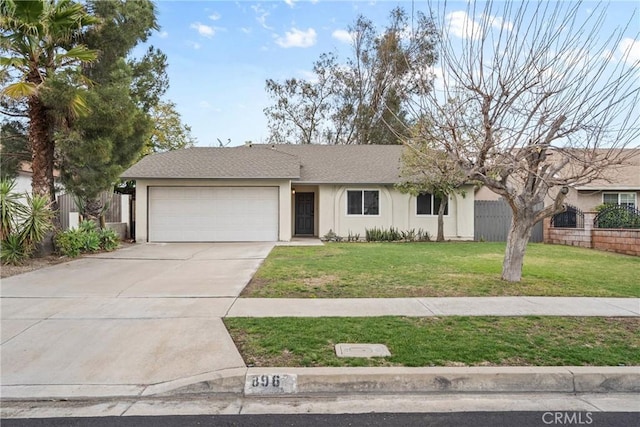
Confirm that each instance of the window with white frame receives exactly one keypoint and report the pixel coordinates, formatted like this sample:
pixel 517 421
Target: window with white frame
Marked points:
pixel 363 202
pixel 428 204
pixel 623 199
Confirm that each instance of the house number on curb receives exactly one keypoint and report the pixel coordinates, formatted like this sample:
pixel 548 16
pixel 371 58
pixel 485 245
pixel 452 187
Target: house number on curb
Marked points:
pixel 271 384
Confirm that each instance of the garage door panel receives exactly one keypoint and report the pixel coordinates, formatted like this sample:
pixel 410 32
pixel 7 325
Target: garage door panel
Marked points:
pixel 209 214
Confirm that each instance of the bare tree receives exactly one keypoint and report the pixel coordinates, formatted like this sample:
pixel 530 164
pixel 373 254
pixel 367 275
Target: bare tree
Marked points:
pixel 531 98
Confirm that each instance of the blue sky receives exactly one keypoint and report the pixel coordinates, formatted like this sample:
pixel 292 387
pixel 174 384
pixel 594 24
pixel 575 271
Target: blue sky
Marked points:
pixel 221 52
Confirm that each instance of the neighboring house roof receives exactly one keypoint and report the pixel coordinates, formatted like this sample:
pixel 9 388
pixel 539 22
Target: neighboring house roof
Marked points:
pixel 27 169
pixel 317 164
pixel 622 177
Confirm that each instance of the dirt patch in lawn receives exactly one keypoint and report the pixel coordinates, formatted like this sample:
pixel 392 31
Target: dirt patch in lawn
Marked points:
pixel 319 282
pixel 285 358
pixel 253 286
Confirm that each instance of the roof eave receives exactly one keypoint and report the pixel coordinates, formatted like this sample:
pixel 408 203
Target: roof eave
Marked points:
pixel 611 188
pixel 208 177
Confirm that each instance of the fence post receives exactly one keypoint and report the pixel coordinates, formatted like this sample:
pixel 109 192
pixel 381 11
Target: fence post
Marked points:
pixel 124 212
pixel 589 217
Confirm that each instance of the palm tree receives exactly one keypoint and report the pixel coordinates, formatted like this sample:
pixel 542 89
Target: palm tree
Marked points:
pixel 40 39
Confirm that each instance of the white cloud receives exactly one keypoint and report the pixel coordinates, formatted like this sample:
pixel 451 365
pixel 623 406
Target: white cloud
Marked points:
pixel 309 76
pixel 215 16
pixel 163 35
pixel 245 30
pixel 194 45
pixel 203 30
pixel 261 16
pixel 460 24
pixel 291 3
pixel 205 105
pixel 343 35
pixel 298 38
pixel 498 23
pixel 630 50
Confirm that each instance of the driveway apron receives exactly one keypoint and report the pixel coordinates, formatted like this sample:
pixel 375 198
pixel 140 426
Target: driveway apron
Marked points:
pixel 142 315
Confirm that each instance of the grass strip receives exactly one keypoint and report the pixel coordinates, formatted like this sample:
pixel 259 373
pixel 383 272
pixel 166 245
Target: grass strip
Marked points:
pixel 388 270
pixel 443 341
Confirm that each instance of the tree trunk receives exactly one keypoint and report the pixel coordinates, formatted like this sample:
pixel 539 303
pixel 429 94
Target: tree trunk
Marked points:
pixel 42 150
pixel 441 210
pixel 93 210
pixel 517 240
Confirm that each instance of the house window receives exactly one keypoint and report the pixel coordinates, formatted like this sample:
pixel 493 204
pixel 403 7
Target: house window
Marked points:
pixel 623 199
pixel 363 202
pixel 428 204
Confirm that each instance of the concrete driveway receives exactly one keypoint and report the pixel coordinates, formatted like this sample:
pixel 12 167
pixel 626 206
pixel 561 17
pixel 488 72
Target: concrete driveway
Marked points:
pixel 113 324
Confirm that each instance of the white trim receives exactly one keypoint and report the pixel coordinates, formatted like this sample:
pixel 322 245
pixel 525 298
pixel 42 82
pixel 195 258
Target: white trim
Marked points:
pixel 609 189
pixel 618 193
pixel 362 201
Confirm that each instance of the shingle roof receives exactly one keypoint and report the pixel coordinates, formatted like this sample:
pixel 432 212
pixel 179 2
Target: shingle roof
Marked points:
pixel 622 177
pixel 347 164
pixel 317 164
pixel 223 163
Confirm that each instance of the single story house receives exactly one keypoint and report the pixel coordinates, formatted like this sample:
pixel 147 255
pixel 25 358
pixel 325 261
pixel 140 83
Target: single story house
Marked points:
pixel 619 185
pixel 260 192
pixel 24 176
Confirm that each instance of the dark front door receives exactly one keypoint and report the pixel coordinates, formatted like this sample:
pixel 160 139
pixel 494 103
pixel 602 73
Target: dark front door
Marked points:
pixel 304 213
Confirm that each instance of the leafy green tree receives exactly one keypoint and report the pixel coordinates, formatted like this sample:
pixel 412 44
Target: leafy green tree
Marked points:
pixel 96 148
pixel 301 107
pixel 428 169
pixel 361 100
pixel 40 41
pixel 15 148
pixel 169 133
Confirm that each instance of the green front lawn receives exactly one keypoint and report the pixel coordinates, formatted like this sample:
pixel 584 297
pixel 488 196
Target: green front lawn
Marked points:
pixel 445 341
pixel 352 270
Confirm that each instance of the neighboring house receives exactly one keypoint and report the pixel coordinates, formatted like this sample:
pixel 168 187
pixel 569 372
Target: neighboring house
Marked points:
pixel 276 192
pixel 24 177
pixel 620 185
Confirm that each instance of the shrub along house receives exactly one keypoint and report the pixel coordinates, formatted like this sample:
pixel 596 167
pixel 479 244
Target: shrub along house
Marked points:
pixel 263 192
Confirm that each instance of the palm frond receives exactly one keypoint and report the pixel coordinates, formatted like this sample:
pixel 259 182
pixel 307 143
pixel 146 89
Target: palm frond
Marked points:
pixel 20 90
pixel 78 105
pixel 77 54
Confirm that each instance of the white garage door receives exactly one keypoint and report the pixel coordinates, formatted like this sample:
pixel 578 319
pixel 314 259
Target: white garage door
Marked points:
pixel 213 214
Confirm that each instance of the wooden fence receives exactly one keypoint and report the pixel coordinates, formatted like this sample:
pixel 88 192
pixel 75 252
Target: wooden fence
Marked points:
pixel 67 204
pixel 493 219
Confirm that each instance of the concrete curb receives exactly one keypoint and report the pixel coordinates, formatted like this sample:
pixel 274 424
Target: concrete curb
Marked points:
pixel 302 381
pixel 275 382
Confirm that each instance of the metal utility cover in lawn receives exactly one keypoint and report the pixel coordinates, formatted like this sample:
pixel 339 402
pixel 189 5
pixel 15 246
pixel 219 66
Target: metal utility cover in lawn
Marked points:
pixel 362 350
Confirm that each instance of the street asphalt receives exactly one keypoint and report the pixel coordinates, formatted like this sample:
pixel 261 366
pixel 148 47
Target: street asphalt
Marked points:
pixel 145 322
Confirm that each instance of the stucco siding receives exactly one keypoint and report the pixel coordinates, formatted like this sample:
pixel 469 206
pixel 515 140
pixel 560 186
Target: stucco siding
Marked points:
pixel 396 210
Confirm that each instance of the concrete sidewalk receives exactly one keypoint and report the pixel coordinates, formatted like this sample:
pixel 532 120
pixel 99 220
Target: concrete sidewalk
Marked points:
pixel 426 307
